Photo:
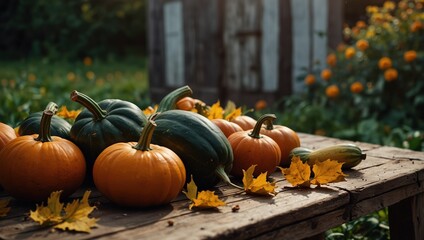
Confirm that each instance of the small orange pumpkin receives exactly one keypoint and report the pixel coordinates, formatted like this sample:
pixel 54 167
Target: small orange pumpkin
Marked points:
pixel 245 122
pixel 33 166
pixel 285 137
pixel 186 103
pixel 7 134
pixel 227 127
pixel 139 174
pixel 251 148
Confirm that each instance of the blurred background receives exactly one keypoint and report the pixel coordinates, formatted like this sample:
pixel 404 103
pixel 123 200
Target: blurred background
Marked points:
pixel 347 69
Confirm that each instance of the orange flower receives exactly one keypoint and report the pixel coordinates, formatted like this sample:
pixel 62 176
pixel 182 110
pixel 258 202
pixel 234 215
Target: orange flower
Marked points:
pixel 389 5
pixel 356 87
pixel 416 26
pixel 390 74
pixel 332 91
pixel 87 61
pixel 90 75
pixel 310 79
pixel 349 52
pixel 384 63
pixel 410 56
pixel 261 104
pixel 361 24
pixel 71 76
pixel 326 74
pixel 32 77
pixel 362 44
pixel 332 59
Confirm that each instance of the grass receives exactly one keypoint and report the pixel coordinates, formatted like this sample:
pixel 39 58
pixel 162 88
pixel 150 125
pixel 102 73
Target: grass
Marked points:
pixel 28 85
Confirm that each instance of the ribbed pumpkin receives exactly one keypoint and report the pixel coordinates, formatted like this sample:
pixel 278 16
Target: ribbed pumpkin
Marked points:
pixel 139 174
pixel 186 103
pixel 58 127
pixel 251 148
pixel 227 127
pixel 33 166
pixel 104 123
pixel 285 137
pixel 7 134
pixel 245 122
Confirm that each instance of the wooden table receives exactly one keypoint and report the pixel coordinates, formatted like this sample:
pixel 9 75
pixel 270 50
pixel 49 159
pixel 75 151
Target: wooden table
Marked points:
pixel 389 177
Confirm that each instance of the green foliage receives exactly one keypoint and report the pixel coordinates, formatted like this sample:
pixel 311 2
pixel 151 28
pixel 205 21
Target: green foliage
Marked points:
pixel 372 227
pixel 373 87
pixel 72 29
pixel 27 87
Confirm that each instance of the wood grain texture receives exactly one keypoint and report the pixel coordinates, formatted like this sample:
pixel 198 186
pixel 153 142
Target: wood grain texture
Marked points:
pixel 389 177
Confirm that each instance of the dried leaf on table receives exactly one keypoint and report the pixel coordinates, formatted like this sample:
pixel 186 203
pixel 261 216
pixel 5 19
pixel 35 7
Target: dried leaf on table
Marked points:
pixel 202 199
pixel 329 171
pixel 298 174
pixel 73 217
pixel 259 185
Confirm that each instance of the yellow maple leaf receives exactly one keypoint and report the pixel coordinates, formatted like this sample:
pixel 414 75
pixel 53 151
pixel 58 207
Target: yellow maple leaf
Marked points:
pixel 327 172
pixel 202 199
pixel 69 114
pixel 257 185
pixel 73 217
pixel 233 114
pixel 216 111
pixel 4 210
pixel 298 174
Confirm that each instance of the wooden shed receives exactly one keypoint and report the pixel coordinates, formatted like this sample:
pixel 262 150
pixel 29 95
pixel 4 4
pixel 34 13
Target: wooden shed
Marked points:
pixel 240 50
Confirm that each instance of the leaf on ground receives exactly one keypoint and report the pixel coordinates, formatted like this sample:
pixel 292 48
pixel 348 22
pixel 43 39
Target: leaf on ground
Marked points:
pixel 298 174
pixel 202 199
pixel 328 171
pixel 259 185
pixel 4 210
pixel 73 217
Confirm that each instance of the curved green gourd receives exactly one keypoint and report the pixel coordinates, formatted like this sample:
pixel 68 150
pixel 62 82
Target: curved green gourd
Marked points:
pixel 104 123
pixel 201 145
pixel 58 127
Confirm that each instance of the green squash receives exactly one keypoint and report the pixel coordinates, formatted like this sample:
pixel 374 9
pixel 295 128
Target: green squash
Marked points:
pixel 201 145
pixel 169 102
pixel 102 124
pixel 58 127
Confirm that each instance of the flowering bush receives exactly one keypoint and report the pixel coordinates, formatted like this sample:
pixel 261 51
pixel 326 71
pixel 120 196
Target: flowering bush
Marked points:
pixel 372 87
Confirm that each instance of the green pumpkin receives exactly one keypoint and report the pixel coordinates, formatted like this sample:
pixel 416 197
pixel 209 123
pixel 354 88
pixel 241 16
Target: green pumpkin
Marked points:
pixel 58 127
pixel 201 145
pixel 102 124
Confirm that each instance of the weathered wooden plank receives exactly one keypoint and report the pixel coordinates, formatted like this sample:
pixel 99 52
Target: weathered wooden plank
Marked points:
pixel 174 44
pixel 335 25
pixel 301 30
pixel 319 32
pixel 256 215
pixel 270 45
pixel 406 218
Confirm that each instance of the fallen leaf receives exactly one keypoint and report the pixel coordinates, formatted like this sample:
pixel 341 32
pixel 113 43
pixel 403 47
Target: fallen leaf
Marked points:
pixel 202 199
pixel 298 174
pixel 233 114
pixel 4 210
pixel 329 171
pixel 73 217
pixel 258 185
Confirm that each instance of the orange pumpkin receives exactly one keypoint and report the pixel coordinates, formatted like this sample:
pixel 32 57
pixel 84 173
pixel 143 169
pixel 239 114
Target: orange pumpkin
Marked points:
pixel 245 122
pixel 139 174
pixel 33 166
pixel 251 148
pixel 285 137
pixel 7 133
pixel 186 103
pixel 227 127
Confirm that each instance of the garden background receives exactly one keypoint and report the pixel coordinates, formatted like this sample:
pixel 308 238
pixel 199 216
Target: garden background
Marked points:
pixel 371 88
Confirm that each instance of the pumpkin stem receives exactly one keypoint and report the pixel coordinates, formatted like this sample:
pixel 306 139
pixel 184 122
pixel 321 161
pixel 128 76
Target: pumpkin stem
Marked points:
pixel 146 136
pixel 170 100
pixel 90 104
pixel 224 177
pixel 257 129
pixel 269 125
pixel 44 135
pixel 52 107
